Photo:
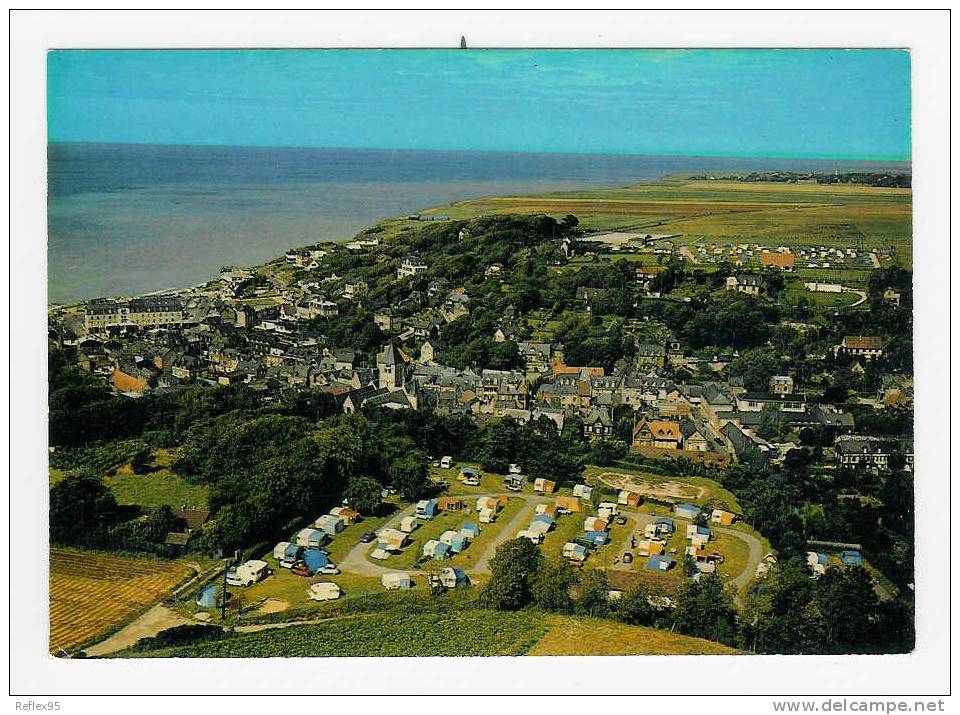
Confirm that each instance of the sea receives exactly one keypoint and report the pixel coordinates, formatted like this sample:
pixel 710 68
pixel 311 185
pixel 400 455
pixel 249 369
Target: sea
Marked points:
pixel 129 219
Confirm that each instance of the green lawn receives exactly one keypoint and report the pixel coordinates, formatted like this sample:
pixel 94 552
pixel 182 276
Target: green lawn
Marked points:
pixel 695 490
pixel 567 527
pixel 159 488
pixel 341 544
pixel 431 529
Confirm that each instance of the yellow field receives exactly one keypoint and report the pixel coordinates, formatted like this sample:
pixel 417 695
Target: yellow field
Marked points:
pixel 592 636
pixel 91 592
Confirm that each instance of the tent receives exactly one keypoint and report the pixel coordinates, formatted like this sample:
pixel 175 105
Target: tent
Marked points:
pixel 544 518
pixel 538 527
pixel 315 559
pixel 659 563
pixel 598 537
pixel 396 581
pixel 575 552
pixel 311 538
pixel 458 543
pixel 569 503
pixel 851 558
pixel 687 511
pixel 470 530
pixel 453 578
pixel 593 523
pixel 434 549
pixel 324 591
pixel 291 555
pixel 582 491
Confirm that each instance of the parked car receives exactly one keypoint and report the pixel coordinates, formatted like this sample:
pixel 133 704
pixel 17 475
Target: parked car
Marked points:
pixel 627 558
pixel 621 520
pixel 300 569
pixel 329 570
pixel 367 537
pixel 514 487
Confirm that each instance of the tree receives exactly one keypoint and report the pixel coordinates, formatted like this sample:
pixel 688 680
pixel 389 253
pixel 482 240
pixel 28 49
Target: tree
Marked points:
pixel 141 461
pixel 512 571
pixel 409 476
pixel 592 597
pixel 705 609
pixel 634 608
pixel 847 603
pixel 552 585
pixel 363 494
pixel 82 509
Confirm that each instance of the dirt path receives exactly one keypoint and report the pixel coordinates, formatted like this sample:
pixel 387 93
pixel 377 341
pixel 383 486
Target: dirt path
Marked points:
pixel 149 624
pixel 356 559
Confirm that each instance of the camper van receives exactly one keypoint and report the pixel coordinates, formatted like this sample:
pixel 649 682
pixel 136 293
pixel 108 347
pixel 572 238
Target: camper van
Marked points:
pixel 446 462
pixel 248 573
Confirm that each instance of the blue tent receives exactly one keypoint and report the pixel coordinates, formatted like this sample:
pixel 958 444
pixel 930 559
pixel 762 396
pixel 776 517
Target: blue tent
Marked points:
pixel 659 563
pixel 545 518
pixel 598 537
pixel 665 523
pixel 702 530
pixel 458 543
pixel 315 559
pixel 468 472
pixel 688 511
pixel 851 558
pixel 470 530
pixel 208 597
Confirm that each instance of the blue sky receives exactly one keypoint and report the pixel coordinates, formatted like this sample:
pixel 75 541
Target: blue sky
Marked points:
pixel 807 103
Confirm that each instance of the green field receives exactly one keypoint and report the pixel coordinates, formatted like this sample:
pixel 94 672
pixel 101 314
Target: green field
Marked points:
pixel 471 632
pixel 694 490
pixel 159 488
pixel 467 633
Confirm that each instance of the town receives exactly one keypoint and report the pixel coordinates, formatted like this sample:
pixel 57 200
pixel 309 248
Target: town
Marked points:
pixel 644 409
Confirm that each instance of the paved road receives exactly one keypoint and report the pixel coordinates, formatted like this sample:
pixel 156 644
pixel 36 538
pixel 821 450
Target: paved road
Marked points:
pixel 157 619
pixel 356 560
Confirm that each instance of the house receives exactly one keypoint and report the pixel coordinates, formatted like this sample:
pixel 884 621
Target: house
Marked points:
pixel 544 486
pixel 409 524
pixel 628 498
pixel 661 434
pixel 330 524
pixel 575 552
pixel 744 283
pixel 582 491
pixel 864 452
pixel 434 549
pixel 866 346
pixel 470 530
pixel 411 266
pixel 426 508
pixel 659 563
pixel 650 547
pixel 780 385
pixel 598 424
pixel 686 511
pixel 892 296
pixel 571 504
pixel 722 517
pixel 399 581
pixel 851 558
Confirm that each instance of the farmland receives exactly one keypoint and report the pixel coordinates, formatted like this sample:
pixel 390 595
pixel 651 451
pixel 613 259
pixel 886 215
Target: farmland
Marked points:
pixel 91 593
pixel 468 633
pixel 591 636
pixel 471 632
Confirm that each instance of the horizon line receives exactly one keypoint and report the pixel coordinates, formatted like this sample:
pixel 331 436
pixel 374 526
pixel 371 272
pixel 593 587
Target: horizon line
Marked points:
pixel 682 155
